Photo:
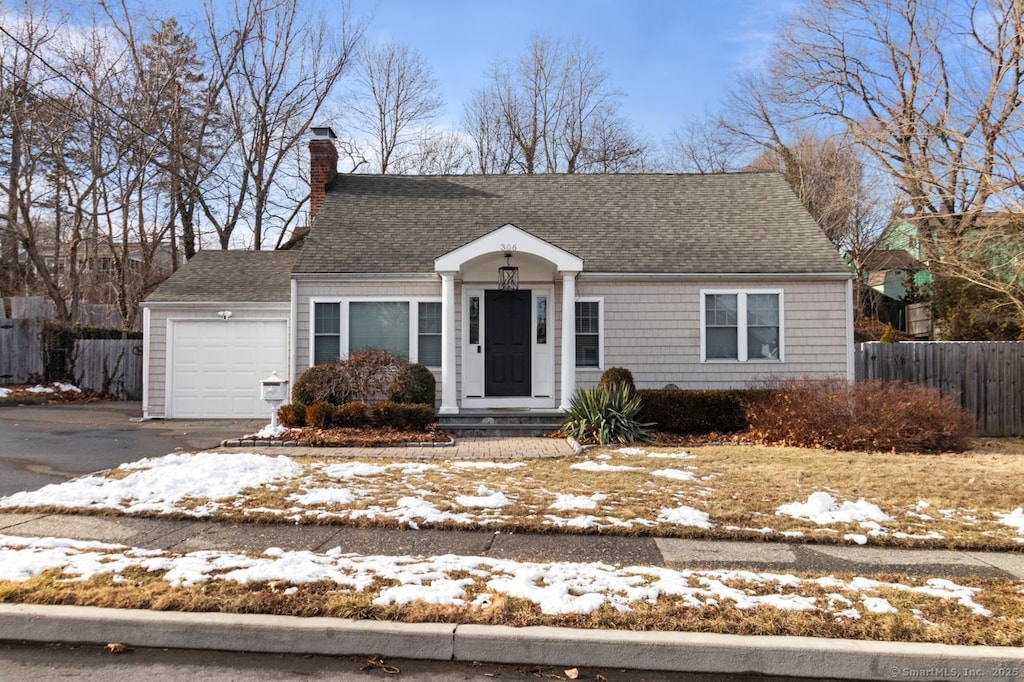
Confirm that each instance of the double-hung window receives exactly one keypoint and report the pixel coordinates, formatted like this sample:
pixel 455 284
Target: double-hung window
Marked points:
pixel 409 329
pixel 741 325
pixel 588 333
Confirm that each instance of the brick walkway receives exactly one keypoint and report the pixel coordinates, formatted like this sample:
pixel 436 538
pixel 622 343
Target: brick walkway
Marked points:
pixel 464 448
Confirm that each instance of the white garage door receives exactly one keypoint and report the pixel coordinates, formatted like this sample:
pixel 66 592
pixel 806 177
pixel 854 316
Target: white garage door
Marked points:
pixel 217 365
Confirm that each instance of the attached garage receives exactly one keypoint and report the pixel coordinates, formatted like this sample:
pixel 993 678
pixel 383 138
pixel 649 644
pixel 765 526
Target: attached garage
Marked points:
pixel 212 331
pixel 215 366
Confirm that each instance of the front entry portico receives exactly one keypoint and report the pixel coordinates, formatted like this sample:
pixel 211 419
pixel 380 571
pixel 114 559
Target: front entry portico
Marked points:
pixel 507 340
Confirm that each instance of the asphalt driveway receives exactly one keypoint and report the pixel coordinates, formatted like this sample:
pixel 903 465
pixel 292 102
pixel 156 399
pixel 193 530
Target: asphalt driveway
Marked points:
pixel 43 444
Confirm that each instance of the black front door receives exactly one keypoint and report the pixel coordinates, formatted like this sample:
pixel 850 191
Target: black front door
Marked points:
pixel 507 347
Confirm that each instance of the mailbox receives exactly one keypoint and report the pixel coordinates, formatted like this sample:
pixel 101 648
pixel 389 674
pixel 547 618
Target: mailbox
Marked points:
pixel 274 390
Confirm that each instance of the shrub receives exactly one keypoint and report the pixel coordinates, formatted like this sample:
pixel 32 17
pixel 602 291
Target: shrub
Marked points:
pixel 869 415
pixel 320 415
pixel 889 334
pixel 413 383
pixel 320 384
pixel 618 375
pixel 368 374
pixel 605 414
pixel 388 414
pixel 292 415
pixel 681 411
pixel 418 416
pixel 403 416
pixel 352 415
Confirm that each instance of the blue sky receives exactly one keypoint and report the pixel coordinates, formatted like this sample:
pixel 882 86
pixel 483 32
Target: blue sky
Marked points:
pixel 671 59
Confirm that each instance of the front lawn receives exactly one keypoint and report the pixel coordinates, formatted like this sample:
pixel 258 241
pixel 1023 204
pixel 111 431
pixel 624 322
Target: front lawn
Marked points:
pixel 466 589
pixel 967 501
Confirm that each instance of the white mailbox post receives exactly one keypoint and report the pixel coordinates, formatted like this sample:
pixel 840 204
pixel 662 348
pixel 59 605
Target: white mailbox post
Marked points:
pixel 274 390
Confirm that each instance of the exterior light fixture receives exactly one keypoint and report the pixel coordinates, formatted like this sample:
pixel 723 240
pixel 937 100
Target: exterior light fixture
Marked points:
pixel 508 275
pixel 224 314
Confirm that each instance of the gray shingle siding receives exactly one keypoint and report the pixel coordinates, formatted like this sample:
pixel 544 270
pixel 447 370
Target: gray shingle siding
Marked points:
pixel 721 223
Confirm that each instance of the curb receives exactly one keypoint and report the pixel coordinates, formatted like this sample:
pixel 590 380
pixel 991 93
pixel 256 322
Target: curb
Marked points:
pixel 253 442
pixel 666 651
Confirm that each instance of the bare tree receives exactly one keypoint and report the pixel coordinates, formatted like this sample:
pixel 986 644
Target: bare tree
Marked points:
pixel 493 149
pixel 933 93
pixel 705 145
pixel 550 111
pixel 395 98
pixel 275 66
pixel 611 147
pixel 24 113
pixel 442 153
pixel 825 174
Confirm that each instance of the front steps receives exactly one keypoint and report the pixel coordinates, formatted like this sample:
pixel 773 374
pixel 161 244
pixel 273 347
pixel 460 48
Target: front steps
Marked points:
pixel 500 422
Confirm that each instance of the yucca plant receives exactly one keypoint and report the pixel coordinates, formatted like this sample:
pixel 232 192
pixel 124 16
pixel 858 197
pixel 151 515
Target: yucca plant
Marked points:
pixel 605 414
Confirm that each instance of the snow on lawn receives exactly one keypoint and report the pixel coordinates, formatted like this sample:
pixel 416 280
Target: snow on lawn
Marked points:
pixel 601 467
pixel 1014 519
pixel 161 484
pixel 574 493
pixel 821 508
pixel 484 499
pixel 685 516
pixel 475 582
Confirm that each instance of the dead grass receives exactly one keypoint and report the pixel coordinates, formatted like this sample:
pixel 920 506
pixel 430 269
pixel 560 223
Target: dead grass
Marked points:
pixel 920 618
pixel 739 486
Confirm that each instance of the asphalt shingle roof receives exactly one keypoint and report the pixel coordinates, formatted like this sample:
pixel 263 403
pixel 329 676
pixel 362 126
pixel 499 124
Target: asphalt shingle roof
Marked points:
pixel 720 223
pixel 242 276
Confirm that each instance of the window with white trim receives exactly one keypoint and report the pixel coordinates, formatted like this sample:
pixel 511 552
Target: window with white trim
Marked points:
pixel 326 332
pixel 429 333
pixel 741 325
pixel 341 328
pixel 588 333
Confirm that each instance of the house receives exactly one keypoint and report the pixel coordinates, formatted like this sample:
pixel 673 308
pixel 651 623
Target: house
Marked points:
pixel 892 272
pixel 514 289
pixel 898 263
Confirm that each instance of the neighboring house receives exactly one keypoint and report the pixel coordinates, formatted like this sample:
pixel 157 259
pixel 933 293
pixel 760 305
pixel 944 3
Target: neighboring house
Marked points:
pixel 892 271
pixel 97 256
pixel 897 261
pixel 702 281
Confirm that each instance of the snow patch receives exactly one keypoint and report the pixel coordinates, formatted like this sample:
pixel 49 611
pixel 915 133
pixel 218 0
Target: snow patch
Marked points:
pixel 484 499
pixel 601 467
pixel 685 516
pixel 821 508
pixel 674 474
pixel 1014 519
pixel 564 502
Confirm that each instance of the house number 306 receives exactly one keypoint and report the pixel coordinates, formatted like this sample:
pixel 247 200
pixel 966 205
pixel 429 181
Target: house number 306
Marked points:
pixel 509 247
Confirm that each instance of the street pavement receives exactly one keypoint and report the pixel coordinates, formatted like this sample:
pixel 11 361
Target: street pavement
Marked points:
pixel 43 444
pixel 801 657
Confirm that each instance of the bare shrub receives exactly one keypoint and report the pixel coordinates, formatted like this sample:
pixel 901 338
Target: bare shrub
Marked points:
pixel 870 415
pixel 369 373
pixel 321 384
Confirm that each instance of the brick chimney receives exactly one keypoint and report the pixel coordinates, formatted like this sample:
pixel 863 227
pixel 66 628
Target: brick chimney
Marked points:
pixel 323 167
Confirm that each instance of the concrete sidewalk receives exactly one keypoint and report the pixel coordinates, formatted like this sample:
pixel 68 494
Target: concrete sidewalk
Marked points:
pixel 182 536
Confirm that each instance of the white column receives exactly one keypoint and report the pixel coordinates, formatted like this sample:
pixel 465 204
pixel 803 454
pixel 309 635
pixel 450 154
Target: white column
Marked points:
pixel 568 338
pixel 449 395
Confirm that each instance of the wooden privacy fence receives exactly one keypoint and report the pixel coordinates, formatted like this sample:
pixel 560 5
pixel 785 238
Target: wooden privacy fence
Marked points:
pixel 110 366
pixel 21 351
pixel 988 376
